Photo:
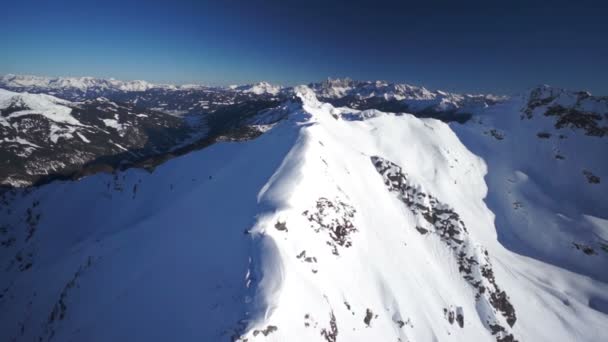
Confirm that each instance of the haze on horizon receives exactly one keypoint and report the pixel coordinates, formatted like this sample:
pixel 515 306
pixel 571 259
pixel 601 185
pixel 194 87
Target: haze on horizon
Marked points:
pixel 465 46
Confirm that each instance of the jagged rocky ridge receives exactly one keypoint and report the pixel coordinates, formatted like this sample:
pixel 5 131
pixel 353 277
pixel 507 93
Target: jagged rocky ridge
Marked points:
pixel 402 98
pixel 577 110
pixel 434 217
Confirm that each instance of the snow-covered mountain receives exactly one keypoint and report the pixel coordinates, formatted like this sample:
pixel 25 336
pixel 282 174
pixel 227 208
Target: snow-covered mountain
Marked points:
pixel 338 88
pixel 59 127
pixel 79 88
pixel 42 136
pixel 258 88
pixel 391 97
pixel 394 97
pixel 336 224
pixel 199 109
pixel 84 84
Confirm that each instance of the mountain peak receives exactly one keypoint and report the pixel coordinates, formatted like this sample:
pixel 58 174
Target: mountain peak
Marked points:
pixel 258 88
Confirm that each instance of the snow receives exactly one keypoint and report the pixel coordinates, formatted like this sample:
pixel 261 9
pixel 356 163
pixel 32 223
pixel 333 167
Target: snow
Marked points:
pixel 113 123
pixel 57 132
pixel 417 99
pixel 337 88
pixel 132 85
pixel 306 234
pixel 258 88
pixel 51 107
pixel 83 137
pixel 540 182
pixel 121 147
pixel 19 140
pixel 84 84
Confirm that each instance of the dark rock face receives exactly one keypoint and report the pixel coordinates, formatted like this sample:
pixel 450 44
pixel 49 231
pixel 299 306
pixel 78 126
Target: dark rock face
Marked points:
pixel 538 98
pixel 592 123
pixel 591 178
pixel 368 317
pixel 576 114
pixel 335 219
pixel 454 314
pixel 60 308
pixel 281 226
pixel 473 261
pixel 496 134
pixel 331 334
pixel 584 248
pixel 266 331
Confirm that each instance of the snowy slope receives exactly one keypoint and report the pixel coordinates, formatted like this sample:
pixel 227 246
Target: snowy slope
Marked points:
pixel 334 225
pixel 548 168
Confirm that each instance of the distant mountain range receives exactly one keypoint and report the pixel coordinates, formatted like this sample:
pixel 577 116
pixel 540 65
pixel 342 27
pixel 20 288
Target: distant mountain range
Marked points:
pixel 48 123
pixel 67 127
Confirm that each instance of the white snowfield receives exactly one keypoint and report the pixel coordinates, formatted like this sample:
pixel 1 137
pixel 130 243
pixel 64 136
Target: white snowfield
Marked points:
pixel 51 107
pixel 334 225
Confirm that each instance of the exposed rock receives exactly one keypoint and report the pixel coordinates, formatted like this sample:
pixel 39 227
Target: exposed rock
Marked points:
pixel 266 331
pixel 473 261
pixel 584 248
pixel 281 226
pixel 331 334
pixel 334 218
pixel 369 315
pixel 591 178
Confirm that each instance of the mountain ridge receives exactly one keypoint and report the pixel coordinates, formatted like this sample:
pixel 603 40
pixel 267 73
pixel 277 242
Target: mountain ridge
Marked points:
pixel 196 106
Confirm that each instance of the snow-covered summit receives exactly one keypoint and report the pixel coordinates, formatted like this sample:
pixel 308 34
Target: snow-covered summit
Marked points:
pixel 336 88
pixel 399 97
pixel 259 88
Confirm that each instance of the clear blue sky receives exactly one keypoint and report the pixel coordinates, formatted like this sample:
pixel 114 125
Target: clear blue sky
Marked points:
pixel 484 46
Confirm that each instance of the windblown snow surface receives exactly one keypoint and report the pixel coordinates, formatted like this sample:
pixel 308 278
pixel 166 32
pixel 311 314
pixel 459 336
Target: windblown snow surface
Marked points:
pixel 334 225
